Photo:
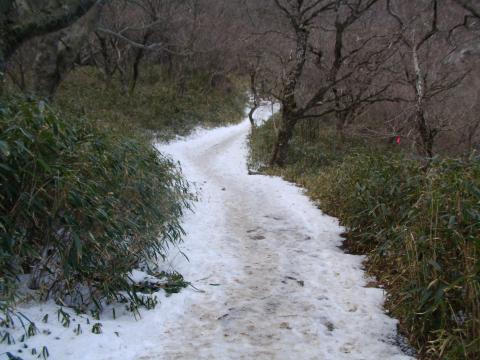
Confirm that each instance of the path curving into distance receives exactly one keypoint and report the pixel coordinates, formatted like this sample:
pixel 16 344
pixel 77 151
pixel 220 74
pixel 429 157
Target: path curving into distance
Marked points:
pixel 276 284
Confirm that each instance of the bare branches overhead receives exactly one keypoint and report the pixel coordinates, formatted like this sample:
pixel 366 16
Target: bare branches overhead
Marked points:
pixel 330 60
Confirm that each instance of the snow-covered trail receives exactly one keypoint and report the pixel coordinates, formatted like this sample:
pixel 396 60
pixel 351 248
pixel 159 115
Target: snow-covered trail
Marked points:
pixel 269 281
pixel 276 285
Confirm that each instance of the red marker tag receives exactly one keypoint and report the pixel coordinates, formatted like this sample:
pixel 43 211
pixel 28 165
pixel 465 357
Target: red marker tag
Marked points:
pixel 398 140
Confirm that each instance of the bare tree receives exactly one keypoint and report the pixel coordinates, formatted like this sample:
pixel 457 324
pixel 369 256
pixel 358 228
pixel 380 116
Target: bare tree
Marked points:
pixel 313 72
pixel 423 69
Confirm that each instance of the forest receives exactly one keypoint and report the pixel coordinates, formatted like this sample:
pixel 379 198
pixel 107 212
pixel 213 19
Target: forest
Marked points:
pixel 378 121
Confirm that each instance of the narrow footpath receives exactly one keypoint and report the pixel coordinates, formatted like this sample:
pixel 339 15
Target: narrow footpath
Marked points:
pixel 276 285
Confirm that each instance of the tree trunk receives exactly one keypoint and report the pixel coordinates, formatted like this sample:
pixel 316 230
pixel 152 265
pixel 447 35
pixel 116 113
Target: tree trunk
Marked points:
pixel 23 20
pixel 2 73
pixel 250 115
pixel 3 60
pixel 58 52
pixel 5 52
pixel 425 133
pixel 109 65
pixel 340 124
pixel 289 104
pixel 253 90
pixel 136 62
pixel 282 141
pixel 136 70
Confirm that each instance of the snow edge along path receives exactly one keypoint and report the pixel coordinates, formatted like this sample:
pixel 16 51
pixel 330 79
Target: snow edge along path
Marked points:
pixel 270 281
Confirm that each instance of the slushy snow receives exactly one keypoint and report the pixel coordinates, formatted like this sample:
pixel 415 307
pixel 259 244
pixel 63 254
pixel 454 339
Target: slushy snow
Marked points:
pixel 269 281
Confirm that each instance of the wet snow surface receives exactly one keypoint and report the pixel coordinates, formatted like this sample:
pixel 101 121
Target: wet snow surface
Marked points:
pixel 270 281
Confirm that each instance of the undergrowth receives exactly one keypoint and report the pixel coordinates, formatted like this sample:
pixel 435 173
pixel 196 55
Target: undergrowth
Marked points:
pixel 419 225
pixel 158 104
pixel 80 206
pixel 84 196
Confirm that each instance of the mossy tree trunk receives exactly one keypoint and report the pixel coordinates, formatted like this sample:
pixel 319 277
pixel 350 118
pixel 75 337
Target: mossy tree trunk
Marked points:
pixel 58 52
pixel 21 20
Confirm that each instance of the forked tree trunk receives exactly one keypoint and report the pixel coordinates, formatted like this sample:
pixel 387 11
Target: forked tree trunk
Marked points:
pixel 58 52
pixel 289 104
pixel 21 20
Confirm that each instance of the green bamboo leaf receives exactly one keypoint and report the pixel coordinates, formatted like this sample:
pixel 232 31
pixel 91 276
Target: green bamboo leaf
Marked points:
pixel 43 164
pixel 78 245
pixel 4 148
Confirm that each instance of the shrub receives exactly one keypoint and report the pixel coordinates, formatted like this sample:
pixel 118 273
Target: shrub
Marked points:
pixel 421 228
pixel 80 207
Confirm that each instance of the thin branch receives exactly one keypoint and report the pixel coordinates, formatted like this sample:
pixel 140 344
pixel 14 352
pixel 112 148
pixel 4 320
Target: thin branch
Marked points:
pixel 151 47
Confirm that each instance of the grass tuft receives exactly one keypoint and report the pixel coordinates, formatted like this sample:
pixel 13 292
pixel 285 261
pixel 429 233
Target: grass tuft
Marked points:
pixel 80 206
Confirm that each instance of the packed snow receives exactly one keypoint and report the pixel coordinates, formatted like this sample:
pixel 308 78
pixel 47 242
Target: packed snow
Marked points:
pixel 268 278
